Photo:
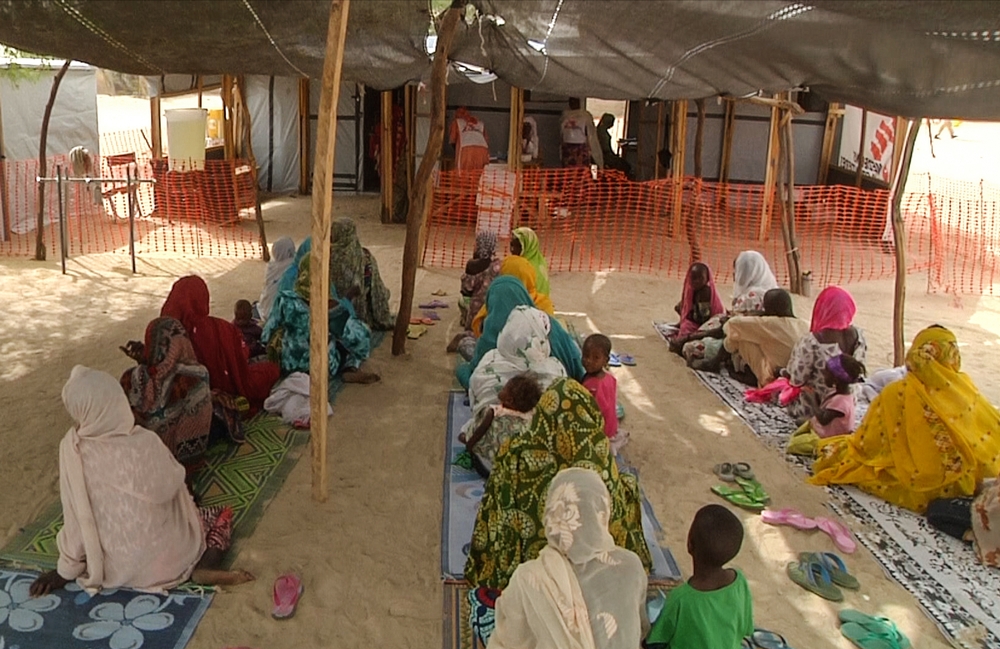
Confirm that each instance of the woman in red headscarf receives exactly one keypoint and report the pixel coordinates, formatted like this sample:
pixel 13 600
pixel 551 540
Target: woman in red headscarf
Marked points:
pixel 831 333
pixel 700 301
pixel 468 136
pixel 218 344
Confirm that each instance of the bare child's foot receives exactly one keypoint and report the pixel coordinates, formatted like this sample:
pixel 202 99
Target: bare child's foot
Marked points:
pixel 462 438
pixel 360 376
pixel 212 577
pixel 453 345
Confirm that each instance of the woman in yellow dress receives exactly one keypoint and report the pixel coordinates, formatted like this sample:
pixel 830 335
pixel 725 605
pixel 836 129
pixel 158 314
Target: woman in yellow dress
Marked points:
pixel 929 435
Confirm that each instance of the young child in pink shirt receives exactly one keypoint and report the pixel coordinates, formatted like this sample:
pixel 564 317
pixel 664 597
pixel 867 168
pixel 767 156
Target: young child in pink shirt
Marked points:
pixel 596 354
pixel 836 416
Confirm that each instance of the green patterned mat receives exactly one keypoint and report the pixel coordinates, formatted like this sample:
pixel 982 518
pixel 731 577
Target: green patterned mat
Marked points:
pixel 245 477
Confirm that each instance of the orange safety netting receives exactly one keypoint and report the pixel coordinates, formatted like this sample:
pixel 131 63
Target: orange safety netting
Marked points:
pixel 204 212
pixel 608 223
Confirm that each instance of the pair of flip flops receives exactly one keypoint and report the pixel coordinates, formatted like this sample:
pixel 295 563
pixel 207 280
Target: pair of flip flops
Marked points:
pixel 836 530
pixel 871 632
pixel 764 639
pixel 288 590
pixel 415 331
pixel 729 471
pixel 422 320
pixel 434 304
pixel 617 360
pixel 749 495
pixel 822 573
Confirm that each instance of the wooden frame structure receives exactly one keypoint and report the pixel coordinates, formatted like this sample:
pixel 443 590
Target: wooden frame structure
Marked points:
pixel 678 146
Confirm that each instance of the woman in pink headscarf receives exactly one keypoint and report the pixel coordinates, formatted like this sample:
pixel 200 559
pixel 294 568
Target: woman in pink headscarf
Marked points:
pixel 831 333
pixel 699 302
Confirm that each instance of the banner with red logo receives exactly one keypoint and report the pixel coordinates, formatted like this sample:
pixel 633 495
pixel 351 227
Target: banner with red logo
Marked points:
pixel 880 139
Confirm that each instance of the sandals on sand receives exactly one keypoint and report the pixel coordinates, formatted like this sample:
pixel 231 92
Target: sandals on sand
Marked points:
pixel 415 331
pixel 839 533
pixel 764 639
pixel 835 529
pixel 814 577
pixel 749 495
pixel 791 517
pixel 869 632
pixel 729 472
pixel 434 304
pixel 288 590
pixel 835 566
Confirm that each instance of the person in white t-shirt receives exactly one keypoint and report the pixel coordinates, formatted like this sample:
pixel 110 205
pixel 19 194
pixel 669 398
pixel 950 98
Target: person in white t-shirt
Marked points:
pixel 580 147
pixel 468 136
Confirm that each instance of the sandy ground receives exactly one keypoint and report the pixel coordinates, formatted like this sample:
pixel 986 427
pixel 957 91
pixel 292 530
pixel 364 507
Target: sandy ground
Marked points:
pixel 370 556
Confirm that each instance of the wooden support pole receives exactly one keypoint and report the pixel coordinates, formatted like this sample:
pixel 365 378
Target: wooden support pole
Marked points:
pixel 200 90
pixel 4 193
pixel 770 174
pixel 43 161
pixel 659 140
pixel 833 114
pixel 728 128
pixel 410 117
pixel 319 262
pixel 899 240
pixel 305 141
pixel 859 172
pixel 155 128
pixel 247 138
pixel 699 138
pixel 679 130
pixel 387 156
pixel 788 204
pixel 419 202
pixel 516 122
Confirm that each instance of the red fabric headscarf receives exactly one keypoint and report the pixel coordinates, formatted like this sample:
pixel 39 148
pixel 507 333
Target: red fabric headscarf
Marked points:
pixel 834 309
pixel 217 343
pixel 687 300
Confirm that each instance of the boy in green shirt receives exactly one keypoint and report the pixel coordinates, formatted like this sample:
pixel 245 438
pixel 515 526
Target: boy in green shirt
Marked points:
pixel 713 610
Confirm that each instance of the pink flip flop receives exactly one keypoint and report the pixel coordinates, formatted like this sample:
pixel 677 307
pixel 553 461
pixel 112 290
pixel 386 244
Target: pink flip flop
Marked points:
pixel 287 591
pixel 839 533
pixel 791 517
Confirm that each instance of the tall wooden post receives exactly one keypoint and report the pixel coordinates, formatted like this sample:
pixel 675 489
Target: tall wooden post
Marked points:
pixel 155 127
pixel 679 130
pixel 699 137
pixel 319 264
pixel 387 156
pixel 43 161
pixel 787 167
pixel 899 240
pixel 728 128
pixel 305 139
pixel 516 122
pixel 770 174
pixel 419 202
pixel 833 114
pixel 246 138
pixel 4 199
pixel 860 171
pixel 659 140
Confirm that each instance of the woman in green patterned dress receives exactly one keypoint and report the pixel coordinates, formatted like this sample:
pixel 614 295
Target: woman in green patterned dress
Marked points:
pixel 567 431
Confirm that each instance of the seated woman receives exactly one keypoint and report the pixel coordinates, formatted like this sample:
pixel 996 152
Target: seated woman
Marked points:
pixel 354 267
pixel 479 272
pixel 525 244
pixel 130 522
pixel 168 390
pixel 505 295
pixel 567 431
pixel 699 302
pixel 764 343
pixel 287 331
pixel 930 435
pixel 831 333
pixel 282 256
pixel 582 590
pixel 752 278
pixel 218 344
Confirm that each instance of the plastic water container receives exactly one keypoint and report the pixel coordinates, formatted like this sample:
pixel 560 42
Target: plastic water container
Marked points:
pixel 186 138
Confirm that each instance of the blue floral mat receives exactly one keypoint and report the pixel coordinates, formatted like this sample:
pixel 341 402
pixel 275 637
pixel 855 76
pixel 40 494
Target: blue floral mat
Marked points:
pixel 112 619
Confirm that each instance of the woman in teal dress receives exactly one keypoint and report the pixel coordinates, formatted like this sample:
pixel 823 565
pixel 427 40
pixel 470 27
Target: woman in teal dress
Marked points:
pixel 287 329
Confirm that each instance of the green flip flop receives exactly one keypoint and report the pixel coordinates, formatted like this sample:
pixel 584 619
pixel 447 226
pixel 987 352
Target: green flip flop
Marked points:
pixel 836 567
pixel 815 578
pixel 738 497
pixel 878 627
pixel 867 639
pixel 752 488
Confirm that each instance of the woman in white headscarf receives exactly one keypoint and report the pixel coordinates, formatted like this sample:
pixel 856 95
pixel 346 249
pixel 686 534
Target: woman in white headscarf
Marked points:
pixel 522 346
pixel 282 255
pixel 582 592
pixel 129 520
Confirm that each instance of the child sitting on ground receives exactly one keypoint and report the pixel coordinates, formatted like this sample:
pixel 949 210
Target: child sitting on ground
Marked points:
pixel 699 302
pixel 836 415
pixel 713 609
pixel 503 421
pixel 249 328
pixel 596 355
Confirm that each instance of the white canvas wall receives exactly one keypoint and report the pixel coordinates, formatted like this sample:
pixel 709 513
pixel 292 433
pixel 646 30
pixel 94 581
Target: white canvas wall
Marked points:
pixel 274 131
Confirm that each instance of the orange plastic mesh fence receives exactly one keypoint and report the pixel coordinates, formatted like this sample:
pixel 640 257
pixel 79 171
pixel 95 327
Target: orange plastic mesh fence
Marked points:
pixel 607 223
pixel 199 212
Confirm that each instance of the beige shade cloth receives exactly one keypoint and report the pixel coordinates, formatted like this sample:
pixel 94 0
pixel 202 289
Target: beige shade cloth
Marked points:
pixel 129 519
pixel 764 343
pixel 582 592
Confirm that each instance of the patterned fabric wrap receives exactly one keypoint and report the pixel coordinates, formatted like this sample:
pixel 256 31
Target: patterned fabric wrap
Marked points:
pixel 805 371
pixel 169 391
pixel 217 524
pixel 930 435
pixel 567 431
pixel 354 266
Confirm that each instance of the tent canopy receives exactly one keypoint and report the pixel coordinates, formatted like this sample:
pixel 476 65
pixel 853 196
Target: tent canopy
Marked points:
pixel 902 57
